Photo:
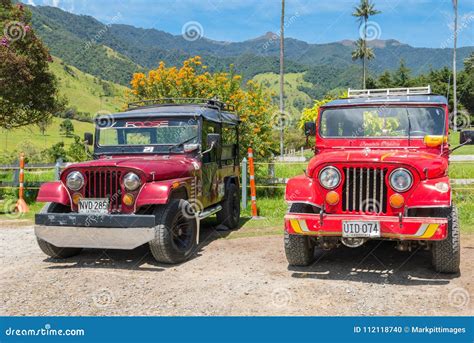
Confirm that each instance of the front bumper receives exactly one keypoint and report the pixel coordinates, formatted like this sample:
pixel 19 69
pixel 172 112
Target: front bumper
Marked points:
pixel 73 230
pixel 391 227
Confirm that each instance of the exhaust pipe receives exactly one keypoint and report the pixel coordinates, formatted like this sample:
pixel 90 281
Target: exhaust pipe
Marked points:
pixel 353 242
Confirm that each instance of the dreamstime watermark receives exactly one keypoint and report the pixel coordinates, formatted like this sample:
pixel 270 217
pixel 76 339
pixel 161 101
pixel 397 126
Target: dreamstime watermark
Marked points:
pixel 45 331
pixel 370 31
pixel 192 208
pixel 9 208
pixel 461 121
pixel 103 298
pixel 192 31
pixel 463 24
pixel 15 30
pixel 281 119
pixel 459 297
pixel 104 119
pixel 276 36
pixel 100 34
pixel 281 297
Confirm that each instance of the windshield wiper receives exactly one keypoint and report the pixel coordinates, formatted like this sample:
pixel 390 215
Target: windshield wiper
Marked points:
pixel 182 143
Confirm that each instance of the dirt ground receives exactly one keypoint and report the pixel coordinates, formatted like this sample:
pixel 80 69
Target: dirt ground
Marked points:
pixel 240 276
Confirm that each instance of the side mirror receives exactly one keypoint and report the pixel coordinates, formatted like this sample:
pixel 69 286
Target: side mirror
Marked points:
pixel 191 147
pixel 89 138
pixel 213 140
pixel 466 137
pixel 310 128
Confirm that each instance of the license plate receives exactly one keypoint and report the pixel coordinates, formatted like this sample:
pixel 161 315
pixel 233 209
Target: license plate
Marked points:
pixel 94 206
pixel 360 229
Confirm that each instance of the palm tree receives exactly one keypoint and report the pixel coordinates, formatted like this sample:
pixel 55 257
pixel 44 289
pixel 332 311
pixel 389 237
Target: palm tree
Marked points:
pixel 363 12
pixel 362 52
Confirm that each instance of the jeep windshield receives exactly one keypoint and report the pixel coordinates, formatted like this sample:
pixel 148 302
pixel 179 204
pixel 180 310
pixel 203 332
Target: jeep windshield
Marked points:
pixel 146 135
pixel 382 122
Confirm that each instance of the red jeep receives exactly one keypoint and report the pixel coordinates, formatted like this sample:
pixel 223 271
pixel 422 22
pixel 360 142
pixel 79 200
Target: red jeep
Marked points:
pixel 380 171
pixel 158 170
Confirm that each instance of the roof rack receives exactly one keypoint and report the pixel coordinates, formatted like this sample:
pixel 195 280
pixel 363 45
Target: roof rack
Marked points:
pixel 381 92
pixel 212 103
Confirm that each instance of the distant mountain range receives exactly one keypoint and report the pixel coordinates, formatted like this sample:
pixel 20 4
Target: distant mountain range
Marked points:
pixel 114 52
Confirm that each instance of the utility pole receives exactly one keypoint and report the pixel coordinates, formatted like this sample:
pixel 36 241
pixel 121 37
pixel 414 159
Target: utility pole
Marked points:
pixel 455 38
pixel 282 76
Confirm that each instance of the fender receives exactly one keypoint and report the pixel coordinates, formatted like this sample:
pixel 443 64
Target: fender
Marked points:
pixel 54 192
pixel 301 189
pixel 428 194
pixel 159 192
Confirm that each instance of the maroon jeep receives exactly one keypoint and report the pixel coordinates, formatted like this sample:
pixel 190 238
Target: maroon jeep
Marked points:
pixel 159 168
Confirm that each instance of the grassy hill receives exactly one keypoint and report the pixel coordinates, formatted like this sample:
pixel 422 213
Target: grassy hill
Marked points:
pixel 84 92
pixel 295 100
pixel 13 139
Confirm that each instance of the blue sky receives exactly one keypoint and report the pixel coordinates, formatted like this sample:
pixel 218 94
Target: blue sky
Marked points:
pixel 420 23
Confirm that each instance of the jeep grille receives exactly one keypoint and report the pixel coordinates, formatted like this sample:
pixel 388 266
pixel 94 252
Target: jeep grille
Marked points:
pixel 105 184
pixel 364 190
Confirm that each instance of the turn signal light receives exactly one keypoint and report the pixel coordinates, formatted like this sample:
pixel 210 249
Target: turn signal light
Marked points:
pixel 128 199
pixel 397 200
pixel 332 198
pixel 433 141
pixel 76 197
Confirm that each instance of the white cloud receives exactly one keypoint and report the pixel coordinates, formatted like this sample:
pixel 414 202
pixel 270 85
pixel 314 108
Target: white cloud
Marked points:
pixel 31 3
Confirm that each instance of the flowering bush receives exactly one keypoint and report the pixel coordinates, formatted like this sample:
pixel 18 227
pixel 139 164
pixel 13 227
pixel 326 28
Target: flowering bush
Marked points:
pixel 192 80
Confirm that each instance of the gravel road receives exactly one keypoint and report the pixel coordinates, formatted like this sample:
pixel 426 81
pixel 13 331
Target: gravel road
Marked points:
pixel 241 276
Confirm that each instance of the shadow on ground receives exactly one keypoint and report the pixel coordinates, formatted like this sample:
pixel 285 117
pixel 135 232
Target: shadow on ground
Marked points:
pixel 136 259
pixel 374 262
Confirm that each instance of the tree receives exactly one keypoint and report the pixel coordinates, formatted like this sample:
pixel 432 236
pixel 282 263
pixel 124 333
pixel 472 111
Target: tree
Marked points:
pixel 44 123
pixel 28 90
pixel 466 85
pixel 192 80
pixel 77 151
pixel 402 75
pixel 385 80
pixel 362 51
pixel 66 128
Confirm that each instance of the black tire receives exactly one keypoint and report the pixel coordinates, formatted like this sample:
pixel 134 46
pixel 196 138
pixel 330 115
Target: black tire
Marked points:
pixel 299 249
pixel 230 213
pixel 175 232
pixel 52 250
pixel 446 254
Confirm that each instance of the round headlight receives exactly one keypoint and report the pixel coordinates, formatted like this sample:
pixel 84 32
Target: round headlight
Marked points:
pixel 329 177
pixel 75 181
pixel 131 181
pixel 401 180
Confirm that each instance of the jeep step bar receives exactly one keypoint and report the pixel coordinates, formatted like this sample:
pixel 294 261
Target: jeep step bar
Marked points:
pixel 203 215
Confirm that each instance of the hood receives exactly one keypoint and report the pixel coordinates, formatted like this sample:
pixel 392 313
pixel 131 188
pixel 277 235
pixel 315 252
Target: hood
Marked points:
pixel 422 161
pixel 155 168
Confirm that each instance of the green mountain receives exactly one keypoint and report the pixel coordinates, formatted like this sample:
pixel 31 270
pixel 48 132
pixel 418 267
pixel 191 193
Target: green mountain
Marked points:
pixel 113 52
